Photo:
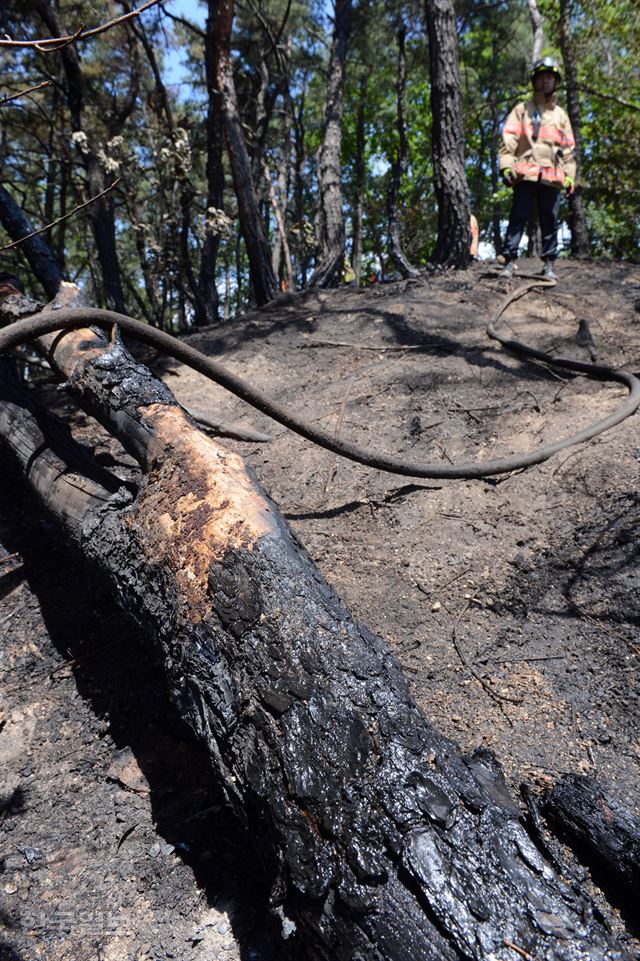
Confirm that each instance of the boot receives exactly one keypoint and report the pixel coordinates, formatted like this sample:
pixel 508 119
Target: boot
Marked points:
pixel 507 271
pixel 548 272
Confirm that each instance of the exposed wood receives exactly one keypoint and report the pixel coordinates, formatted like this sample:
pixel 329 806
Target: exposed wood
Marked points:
pixel 382 841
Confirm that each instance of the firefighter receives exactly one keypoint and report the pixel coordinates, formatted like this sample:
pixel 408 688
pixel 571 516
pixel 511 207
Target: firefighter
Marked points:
pixel 537 160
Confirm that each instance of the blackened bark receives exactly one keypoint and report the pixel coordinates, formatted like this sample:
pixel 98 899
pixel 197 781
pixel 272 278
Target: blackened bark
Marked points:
pixel 328 272
pixel 580 243
pixel 101 213
pixel 594 824
pixel 452 192
pixel 265 286
pixel 37 251
pixel 399 169
pixel 65 479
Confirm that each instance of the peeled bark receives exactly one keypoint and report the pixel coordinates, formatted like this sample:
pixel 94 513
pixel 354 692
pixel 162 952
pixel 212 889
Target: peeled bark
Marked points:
pixel 452 193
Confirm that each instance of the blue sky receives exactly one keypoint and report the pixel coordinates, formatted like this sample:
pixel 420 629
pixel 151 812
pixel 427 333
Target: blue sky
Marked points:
pixel 192 10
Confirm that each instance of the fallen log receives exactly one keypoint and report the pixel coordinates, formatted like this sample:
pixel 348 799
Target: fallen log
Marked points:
pixel 382 841
pixel 599 829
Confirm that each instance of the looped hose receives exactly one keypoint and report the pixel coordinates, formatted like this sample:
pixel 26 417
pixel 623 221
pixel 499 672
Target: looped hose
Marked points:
pixel 68 318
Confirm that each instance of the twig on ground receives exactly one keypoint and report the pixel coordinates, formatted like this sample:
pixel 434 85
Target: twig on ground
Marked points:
pixel 41 230
pixel 377 349
pixel 466 410
pixel 224 429
pixel 573 453
pixel 496 695
pixel 332 464
pixel 441 587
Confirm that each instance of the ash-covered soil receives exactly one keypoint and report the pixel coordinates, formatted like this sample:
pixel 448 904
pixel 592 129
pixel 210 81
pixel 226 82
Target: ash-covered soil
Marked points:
pixel 513 603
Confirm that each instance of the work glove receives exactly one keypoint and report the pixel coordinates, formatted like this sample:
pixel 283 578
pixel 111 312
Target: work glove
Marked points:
pixel 509 176
pixel 569 185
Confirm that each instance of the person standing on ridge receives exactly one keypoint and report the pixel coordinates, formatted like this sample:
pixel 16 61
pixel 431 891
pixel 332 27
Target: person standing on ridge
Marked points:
pixel 537 160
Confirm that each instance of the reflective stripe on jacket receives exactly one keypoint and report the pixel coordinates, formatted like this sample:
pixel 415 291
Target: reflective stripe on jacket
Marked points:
pixel 549 156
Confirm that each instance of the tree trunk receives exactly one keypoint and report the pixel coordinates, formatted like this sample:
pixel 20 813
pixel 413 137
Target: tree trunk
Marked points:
pixel 328 272
pixel 264 283
pixel 400 166
pixel 534 235
pixel 359 183
pixel 37 251
pixel 580 244
pixel 101 212
pixel 215 177
pixel 381 840
pixel 537 25
pixel 452 193
pixel 299 154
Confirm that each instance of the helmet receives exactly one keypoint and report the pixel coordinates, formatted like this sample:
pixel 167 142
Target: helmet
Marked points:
pixel 547 65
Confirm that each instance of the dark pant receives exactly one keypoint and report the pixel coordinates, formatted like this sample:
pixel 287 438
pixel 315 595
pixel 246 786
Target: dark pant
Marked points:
pixel 548 207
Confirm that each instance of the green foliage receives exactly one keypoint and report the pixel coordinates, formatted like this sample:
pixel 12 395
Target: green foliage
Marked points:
pixel 280 55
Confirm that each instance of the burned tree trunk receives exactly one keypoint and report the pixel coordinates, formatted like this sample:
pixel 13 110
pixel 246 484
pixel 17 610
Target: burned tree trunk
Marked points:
pixel 452 193
pixel 381 839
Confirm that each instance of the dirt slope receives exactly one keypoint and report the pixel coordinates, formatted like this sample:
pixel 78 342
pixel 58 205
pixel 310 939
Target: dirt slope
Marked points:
pixel 513 603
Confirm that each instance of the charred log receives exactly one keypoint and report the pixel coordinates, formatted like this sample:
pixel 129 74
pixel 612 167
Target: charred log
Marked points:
pixel 382 841
pixel 604 833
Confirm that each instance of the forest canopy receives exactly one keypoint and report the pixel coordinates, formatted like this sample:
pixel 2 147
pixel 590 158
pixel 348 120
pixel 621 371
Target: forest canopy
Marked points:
pixel 247 146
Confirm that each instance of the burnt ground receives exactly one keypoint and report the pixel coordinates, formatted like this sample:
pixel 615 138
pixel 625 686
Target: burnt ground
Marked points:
pixel 513 603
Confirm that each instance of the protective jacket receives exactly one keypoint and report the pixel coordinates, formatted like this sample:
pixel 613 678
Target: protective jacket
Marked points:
pixel 538 143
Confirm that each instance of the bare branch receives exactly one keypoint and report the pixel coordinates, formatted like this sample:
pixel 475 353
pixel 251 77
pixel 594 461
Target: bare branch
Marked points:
pixel 23 93
pixel 609 96
pixel 66 216
pixel 49 44
pixel 183 20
